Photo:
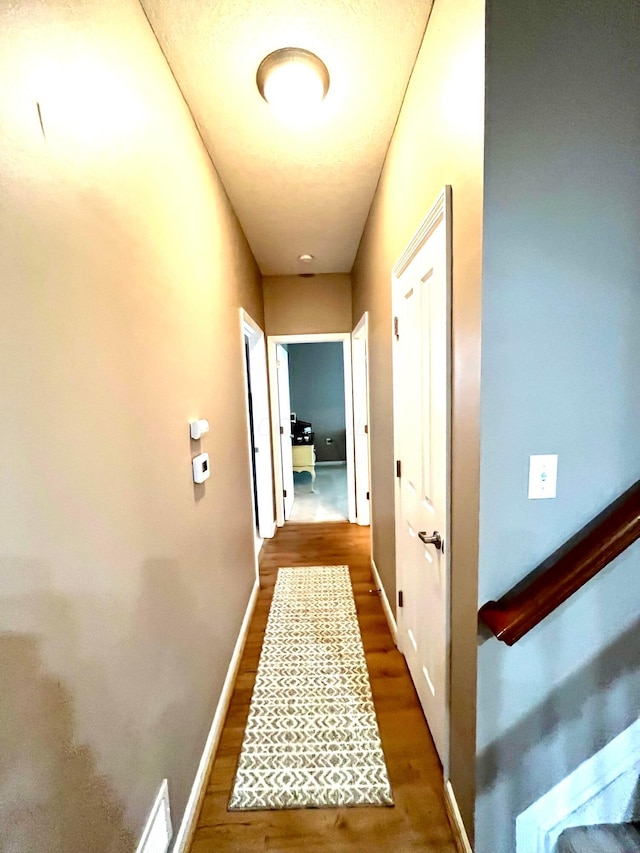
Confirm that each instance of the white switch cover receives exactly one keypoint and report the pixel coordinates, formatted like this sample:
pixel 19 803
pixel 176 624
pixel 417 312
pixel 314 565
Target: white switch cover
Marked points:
pixel 543 474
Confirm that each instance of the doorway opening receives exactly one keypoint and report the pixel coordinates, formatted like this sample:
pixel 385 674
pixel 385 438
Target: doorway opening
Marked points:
pixel 318 430
pixel 312 427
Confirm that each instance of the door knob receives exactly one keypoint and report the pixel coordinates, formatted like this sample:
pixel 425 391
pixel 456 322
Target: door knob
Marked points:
pixel 435 539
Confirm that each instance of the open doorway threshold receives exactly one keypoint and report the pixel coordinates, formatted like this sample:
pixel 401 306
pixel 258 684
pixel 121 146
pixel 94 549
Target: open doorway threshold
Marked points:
pixel 324 500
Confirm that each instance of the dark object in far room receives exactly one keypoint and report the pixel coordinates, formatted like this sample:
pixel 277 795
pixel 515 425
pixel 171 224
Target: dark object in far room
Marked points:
pixel 301 432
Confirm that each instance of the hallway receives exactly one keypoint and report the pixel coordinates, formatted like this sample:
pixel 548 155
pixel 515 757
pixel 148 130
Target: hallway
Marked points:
pixel 418 820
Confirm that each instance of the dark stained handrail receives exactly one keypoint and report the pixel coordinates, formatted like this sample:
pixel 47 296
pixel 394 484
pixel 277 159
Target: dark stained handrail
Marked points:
pixel 566 570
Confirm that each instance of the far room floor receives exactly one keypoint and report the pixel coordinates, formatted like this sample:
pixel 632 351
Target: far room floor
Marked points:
pixel 324 500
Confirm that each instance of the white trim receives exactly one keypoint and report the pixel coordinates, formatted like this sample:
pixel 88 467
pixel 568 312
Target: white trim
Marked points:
pixel 264 524
pixel 276 450
pixel 159 811
pixel 272 342
pixel 457 817
pixel 258 542
pixel 439 209
pixel 320 338
pixel 539 826
pixel 361 416
pixel 348 419
pixel 271 531
pixel 362 325
pixel 386 606
pixel 192 810
pixel 439 212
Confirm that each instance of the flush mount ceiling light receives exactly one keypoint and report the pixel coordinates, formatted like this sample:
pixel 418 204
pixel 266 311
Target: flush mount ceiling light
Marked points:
pixel 292 79
pixel 306 259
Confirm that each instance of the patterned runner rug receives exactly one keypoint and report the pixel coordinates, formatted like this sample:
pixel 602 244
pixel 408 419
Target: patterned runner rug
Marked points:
pixel 312 737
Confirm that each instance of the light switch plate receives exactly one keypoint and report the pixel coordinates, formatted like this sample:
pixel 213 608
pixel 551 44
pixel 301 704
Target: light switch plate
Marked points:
pixel 543 476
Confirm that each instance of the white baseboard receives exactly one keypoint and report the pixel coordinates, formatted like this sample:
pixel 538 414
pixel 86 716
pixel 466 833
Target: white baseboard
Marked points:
pixel 587 795
pixel 157 833
pixel 188 825
pixel 388 611
pixel 258 542
pixel 270 530
pixel 462 839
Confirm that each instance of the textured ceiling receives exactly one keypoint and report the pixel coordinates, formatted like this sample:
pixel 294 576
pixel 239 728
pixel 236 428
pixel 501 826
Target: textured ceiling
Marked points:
pixel 295 189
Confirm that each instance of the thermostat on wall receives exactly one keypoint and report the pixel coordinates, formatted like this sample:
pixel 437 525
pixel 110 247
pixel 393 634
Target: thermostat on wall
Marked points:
pixel 201 468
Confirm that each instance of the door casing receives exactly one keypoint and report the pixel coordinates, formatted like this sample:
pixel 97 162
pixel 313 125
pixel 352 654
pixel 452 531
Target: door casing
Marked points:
pixel 265 523
pixel 272 341
pixel 361 419
pixel 440 209
pixel 284 501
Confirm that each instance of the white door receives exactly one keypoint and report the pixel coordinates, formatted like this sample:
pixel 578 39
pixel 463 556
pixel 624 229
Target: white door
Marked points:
pixel 361 419
pixel 284 413
pixel 421 416
pixel 258 421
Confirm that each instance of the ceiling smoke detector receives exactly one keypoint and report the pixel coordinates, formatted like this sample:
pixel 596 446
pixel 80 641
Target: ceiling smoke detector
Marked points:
pixel 292 79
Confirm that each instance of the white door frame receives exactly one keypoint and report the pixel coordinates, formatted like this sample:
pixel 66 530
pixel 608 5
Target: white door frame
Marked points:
pixel 285 448
pixel 265 524
pixel 345 338
pixel 440 208
pixel 361 420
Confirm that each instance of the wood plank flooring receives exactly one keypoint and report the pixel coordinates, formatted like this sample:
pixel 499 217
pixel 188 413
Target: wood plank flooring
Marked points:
pixel 418 820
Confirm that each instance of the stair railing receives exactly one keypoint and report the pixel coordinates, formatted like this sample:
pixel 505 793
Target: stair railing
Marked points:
pixel 566 570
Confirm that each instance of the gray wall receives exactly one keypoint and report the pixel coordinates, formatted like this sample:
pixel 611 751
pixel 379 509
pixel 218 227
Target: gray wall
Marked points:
pixel 316 376
pixel 122 585
pixel 560 368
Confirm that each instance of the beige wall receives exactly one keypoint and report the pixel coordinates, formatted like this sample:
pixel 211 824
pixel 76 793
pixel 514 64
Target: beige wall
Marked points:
pixel 438 141
pixel 305 306
pixel 122 585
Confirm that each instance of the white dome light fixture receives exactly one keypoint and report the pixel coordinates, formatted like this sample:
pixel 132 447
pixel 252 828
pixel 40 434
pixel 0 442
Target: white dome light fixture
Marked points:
pixel 293 79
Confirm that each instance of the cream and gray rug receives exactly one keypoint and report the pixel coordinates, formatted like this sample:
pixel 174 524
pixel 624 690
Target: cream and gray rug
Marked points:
pixel 312 737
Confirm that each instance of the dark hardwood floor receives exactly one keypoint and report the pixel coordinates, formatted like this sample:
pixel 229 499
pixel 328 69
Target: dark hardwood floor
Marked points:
pixel 418 820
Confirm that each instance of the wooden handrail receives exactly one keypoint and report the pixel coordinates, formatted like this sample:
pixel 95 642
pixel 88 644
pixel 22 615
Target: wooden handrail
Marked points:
pixel 566 570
